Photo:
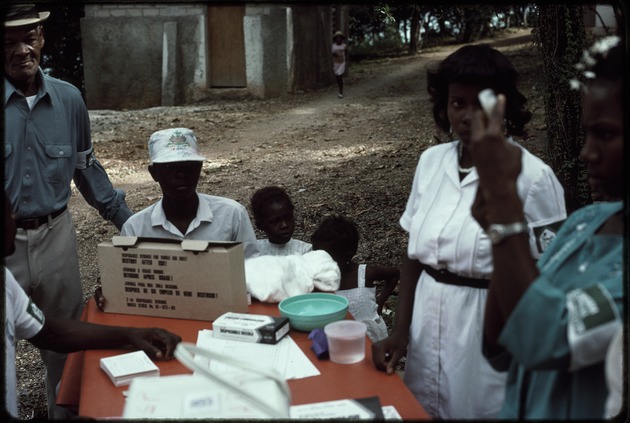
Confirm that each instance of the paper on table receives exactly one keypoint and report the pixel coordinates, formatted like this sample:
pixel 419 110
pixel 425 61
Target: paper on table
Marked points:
pixel 122 368
pixel 285 357
pixel 390 413
pixel 354 409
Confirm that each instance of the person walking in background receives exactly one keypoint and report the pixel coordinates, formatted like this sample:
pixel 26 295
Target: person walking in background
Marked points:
pixel 340 56
pixel 340 238
pixel 444 278
pixel 549 323
pixel 47 145
pixel 274 214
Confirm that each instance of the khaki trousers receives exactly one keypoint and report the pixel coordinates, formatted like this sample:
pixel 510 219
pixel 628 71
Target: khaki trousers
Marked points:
pixel 46 264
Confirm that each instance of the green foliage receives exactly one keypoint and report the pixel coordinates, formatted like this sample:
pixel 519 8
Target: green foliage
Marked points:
pixel 367 23
pixel 388 44
pixel 474 22
pixel 383 29
pixel 561 38
pixel 374 32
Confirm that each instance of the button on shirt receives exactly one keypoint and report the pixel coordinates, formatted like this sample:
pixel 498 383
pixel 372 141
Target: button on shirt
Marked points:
pixel 47 147
pixel 218 219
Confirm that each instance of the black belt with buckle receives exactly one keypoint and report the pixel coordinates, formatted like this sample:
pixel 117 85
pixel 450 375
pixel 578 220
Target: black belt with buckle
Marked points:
pixel 36 222
pixel 444 276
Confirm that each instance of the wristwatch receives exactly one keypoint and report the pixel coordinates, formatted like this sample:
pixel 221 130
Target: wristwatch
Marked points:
pixel 497 232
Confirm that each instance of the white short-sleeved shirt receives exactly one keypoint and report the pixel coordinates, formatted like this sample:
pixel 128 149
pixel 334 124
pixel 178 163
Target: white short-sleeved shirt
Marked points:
pixel 293 246
pixel 218 219
pixel 23 320
pixel 445 368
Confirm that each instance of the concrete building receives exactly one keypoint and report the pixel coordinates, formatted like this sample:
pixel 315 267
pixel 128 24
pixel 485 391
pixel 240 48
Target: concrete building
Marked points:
pixel 600 19
pixel 139 55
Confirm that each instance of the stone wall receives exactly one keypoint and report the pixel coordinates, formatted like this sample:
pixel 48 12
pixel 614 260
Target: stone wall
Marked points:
pixel 145 55
pixel 125 61
pixel 266 50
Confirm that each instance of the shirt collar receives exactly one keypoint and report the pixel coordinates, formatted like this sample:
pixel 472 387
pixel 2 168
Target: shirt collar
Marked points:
pixel 9 89
pixel 158 218
pixel 473 175
pixel 204 213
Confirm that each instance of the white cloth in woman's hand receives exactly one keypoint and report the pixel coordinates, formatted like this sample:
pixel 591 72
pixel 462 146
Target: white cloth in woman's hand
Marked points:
pixel 274 278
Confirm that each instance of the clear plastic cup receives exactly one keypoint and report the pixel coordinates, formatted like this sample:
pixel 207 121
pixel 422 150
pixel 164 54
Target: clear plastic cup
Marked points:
pixel 346 341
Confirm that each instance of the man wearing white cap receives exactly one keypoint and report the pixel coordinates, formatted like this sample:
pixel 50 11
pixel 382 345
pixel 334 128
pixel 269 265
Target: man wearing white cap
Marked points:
pixel 182 213
pixel 47 145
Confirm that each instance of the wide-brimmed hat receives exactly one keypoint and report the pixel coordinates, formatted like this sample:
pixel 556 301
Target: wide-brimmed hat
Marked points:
pixel 338 34
pixel 23 15
pixel 174 145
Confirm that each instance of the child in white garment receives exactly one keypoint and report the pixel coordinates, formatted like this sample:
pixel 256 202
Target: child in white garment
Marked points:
pixel 339 55
pixel 274 215
pixel 340 238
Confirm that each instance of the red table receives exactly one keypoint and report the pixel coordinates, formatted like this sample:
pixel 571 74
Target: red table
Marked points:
pixel 85 384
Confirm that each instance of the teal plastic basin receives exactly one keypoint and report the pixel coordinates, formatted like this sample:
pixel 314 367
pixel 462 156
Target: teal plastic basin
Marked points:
pixel 314 310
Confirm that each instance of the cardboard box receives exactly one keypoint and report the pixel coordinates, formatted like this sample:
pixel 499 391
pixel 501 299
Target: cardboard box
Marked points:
pixel 188 279
pixel 250 328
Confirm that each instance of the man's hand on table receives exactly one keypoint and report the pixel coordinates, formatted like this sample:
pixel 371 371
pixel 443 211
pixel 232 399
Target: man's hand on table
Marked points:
pixel 99 298
pixel 157 343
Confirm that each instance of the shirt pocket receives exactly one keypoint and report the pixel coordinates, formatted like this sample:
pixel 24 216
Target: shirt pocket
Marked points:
pixel 58 162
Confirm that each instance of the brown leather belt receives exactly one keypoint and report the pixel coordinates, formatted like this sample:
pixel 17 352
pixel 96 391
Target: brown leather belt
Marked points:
pixel 444 276
pixel 36 222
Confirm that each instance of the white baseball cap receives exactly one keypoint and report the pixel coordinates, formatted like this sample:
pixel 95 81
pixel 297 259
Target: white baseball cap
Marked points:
pixel 174 145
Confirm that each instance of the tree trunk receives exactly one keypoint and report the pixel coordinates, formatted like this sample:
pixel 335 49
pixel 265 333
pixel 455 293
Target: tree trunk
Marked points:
pixel 414 31
pixel 561 39
pixel 312 41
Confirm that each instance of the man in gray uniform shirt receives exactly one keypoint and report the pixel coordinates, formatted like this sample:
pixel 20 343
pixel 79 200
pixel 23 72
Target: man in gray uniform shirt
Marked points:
pixel 47 144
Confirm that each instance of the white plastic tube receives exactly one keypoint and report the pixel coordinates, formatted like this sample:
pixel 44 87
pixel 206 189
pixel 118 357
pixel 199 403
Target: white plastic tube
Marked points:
pixel 488 100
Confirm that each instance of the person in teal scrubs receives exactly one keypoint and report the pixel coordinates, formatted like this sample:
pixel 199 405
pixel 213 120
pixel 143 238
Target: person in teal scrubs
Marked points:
pixel 549 323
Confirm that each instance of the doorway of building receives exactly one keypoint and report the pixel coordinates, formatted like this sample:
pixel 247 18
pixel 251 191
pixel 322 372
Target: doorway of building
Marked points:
pixel 226 46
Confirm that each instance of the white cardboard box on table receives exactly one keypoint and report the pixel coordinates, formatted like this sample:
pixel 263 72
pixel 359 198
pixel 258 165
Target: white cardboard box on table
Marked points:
pixel 250 327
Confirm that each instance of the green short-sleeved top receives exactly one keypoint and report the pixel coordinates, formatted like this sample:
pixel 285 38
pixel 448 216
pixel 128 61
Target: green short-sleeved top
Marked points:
pixel 559 332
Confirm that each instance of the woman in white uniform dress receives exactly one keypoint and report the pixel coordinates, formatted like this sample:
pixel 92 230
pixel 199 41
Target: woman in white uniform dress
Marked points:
pixel 444 279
